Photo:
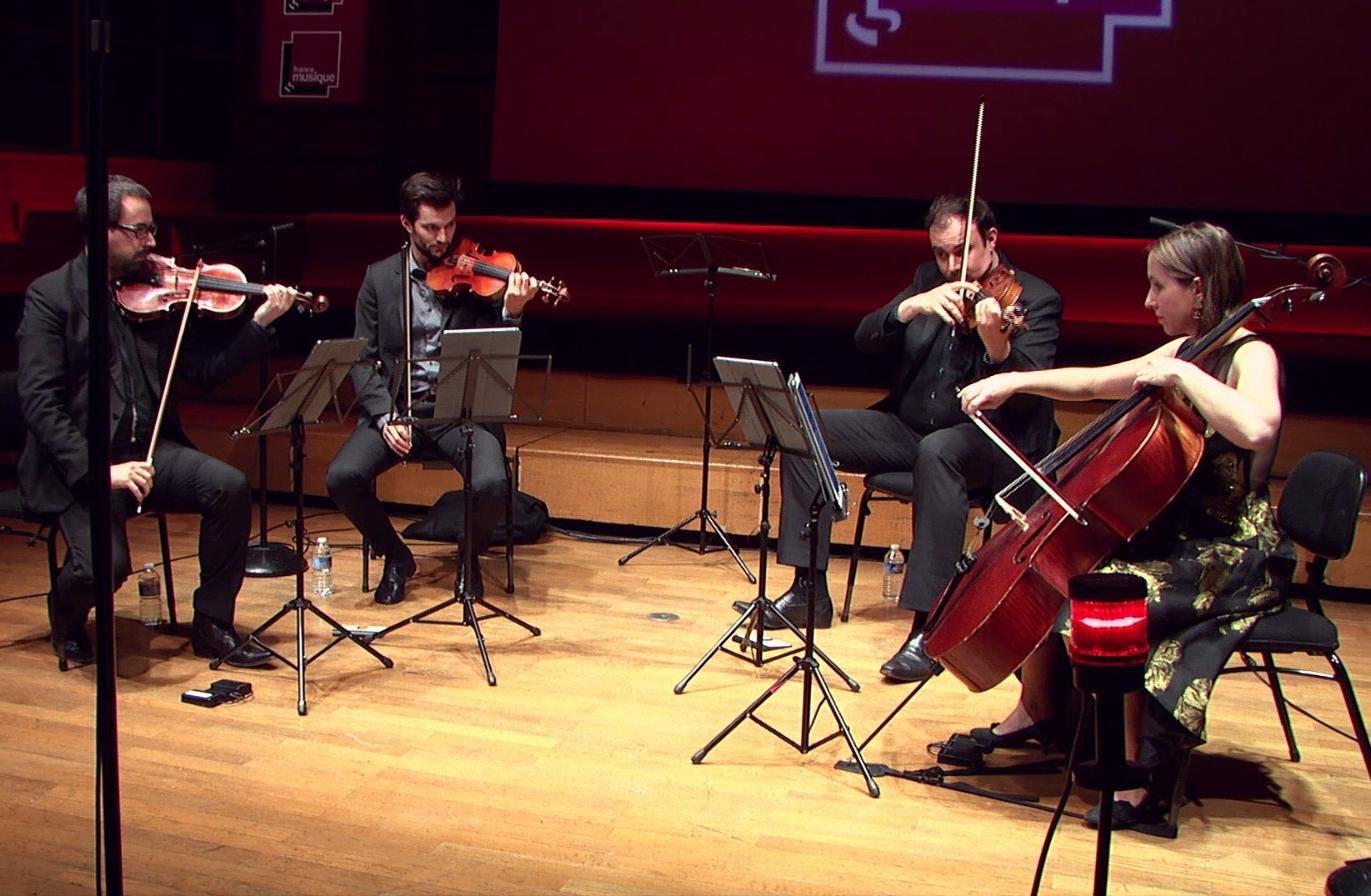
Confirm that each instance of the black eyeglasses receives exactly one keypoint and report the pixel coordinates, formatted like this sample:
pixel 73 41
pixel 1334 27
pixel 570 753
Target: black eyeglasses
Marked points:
pixel 138 231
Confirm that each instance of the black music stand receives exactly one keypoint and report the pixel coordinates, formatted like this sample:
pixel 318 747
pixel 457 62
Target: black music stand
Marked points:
pixel 476 374
pixel 695 254
pixel 758 393
pixel 302 402
pixel 831 490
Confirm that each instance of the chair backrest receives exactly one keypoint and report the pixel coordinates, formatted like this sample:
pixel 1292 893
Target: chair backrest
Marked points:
pixel 1320 503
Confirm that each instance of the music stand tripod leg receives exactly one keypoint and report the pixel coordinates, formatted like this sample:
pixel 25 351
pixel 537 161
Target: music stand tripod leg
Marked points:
pixel 755 612
pixel 661 538
pixel 708 516
pixel 809 666
pixel 463 589
pixel 299 604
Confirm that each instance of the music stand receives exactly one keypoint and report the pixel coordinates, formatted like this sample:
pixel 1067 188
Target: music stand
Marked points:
pixel 689 255
pixel 302 402
pixel 831 490
pixel 759 396
pixel 475 385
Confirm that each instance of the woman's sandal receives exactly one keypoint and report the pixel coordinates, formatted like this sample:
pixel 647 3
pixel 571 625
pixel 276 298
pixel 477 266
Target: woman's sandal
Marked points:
pixel 1041 733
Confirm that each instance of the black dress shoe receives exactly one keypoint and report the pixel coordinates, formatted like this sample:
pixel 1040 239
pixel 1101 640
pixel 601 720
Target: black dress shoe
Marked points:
pixel 69 639
pixel 213 640
pixel 400 566
pixel 793 606
pixel 74 649
pixel 478 584
pixel 910 662
pixel 1123 816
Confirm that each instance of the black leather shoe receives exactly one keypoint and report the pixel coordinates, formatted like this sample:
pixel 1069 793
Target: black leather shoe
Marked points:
pixel 910 663
pixel 792 605
pixel 400 566
pixel 1123 816
pixel 73 650
pixel 212 640
pixel 69 639
pixel 478 584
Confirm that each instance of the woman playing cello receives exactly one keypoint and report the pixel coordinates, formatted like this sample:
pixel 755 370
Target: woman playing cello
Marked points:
pixel 1213 559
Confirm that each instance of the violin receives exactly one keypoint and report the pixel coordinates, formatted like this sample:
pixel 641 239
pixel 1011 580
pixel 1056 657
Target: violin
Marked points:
pixel 223 290
pixel 1002 286
pixel 471 266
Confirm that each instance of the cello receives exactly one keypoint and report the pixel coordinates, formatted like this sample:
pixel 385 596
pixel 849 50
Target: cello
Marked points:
pixel 1112 479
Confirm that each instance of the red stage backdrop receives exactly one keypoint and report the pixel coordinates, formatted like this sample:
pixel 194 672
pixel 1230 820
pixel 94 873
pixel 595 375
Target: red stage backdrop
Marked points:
pixel 1259 105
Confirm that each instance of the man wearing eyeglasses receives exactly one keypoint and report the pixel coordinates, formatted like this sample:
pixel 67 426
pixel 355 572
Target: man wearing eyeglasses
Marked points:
pixel 54 385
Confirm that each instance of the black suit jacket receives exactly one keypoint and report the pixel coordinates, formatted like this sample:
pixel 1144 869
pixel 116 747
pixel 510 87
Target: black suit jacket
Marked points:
pixel 1026 419
pixel 54 382
pixel 380 321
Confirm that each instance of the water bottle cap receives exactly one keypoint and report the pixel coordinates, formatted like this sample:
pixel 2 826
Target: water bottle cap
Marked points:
pixel 894 547
pixel 147 567
pixel 322 540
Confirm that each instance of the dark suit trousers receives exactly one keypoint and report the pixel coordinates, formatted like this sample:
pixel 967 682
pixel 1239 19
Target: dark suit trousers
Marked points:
pixel 365 455
pixel 184 481
pixel 946 464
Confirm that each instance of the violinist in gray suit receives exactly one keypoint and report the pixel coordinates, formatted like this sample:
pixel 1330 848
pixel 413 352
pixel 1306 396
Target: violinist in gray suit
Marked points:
pixel 428 213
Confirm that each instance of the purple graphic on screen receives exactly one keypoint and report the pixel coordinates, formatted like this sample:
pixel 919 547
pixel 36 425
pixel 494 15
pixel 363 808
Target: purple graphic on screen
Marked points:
pixel 899 38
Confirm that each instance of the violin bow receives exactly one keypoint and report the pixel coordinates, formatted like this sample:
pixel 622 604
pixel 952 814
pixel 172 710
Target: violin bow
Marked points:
pixel 971 196
pixel 406 258
pixel 171 369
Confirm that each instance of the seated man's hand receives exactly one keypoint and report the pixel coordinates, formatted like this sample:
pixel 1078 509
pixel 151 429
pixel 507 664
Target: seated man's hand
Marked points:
pixel 398 438
pixel 133 475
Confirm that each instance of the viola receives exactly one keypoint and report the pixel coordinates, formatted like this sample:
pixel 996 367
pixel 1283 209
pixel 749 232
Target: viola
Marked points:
pixel 471 266
pixel 223 290
pixel 1002 286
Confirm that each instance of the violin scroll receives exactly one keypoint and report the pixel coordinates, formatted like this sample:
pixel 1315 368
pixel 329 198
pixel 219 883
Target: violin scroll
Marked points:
pixel 553 290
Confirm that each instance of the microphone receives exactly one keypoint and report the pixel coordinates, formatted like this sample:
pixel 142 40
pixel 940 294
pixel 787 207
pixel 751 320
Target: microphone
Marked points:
pixel 1164 224
pixel 257 238
pixel 272 232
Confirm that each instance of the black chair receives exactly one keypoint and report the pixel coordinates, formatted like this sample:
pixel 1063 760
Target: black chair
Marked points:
pixel 1318 510
pixel 12 435
pixel 897 486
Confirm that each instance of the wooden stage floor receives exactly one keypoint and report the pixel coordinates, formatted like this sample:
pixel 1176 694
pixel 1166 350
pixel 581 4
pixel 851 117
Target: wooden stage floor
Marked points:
pixel 573 775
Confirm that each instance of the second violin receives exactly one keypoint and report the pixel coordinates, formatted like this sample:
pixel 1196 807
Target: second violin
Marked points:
pixel 485 272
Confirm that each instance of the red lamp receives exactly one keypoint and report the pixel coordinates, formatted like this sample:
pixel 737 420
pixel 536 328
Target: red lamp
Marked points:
pixel 1108 620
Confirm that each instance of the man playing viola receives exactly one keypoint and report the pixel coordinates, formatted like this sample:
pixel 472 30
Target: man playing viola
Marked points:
pixel 54 385
pixel 428 213
pixel 934 342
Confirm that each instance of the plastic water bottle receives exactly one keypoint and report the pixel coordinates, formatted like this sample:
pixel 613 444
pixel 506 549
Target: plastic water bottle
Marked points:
pixel 322 565
pixel 149 596
pixel 892 578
